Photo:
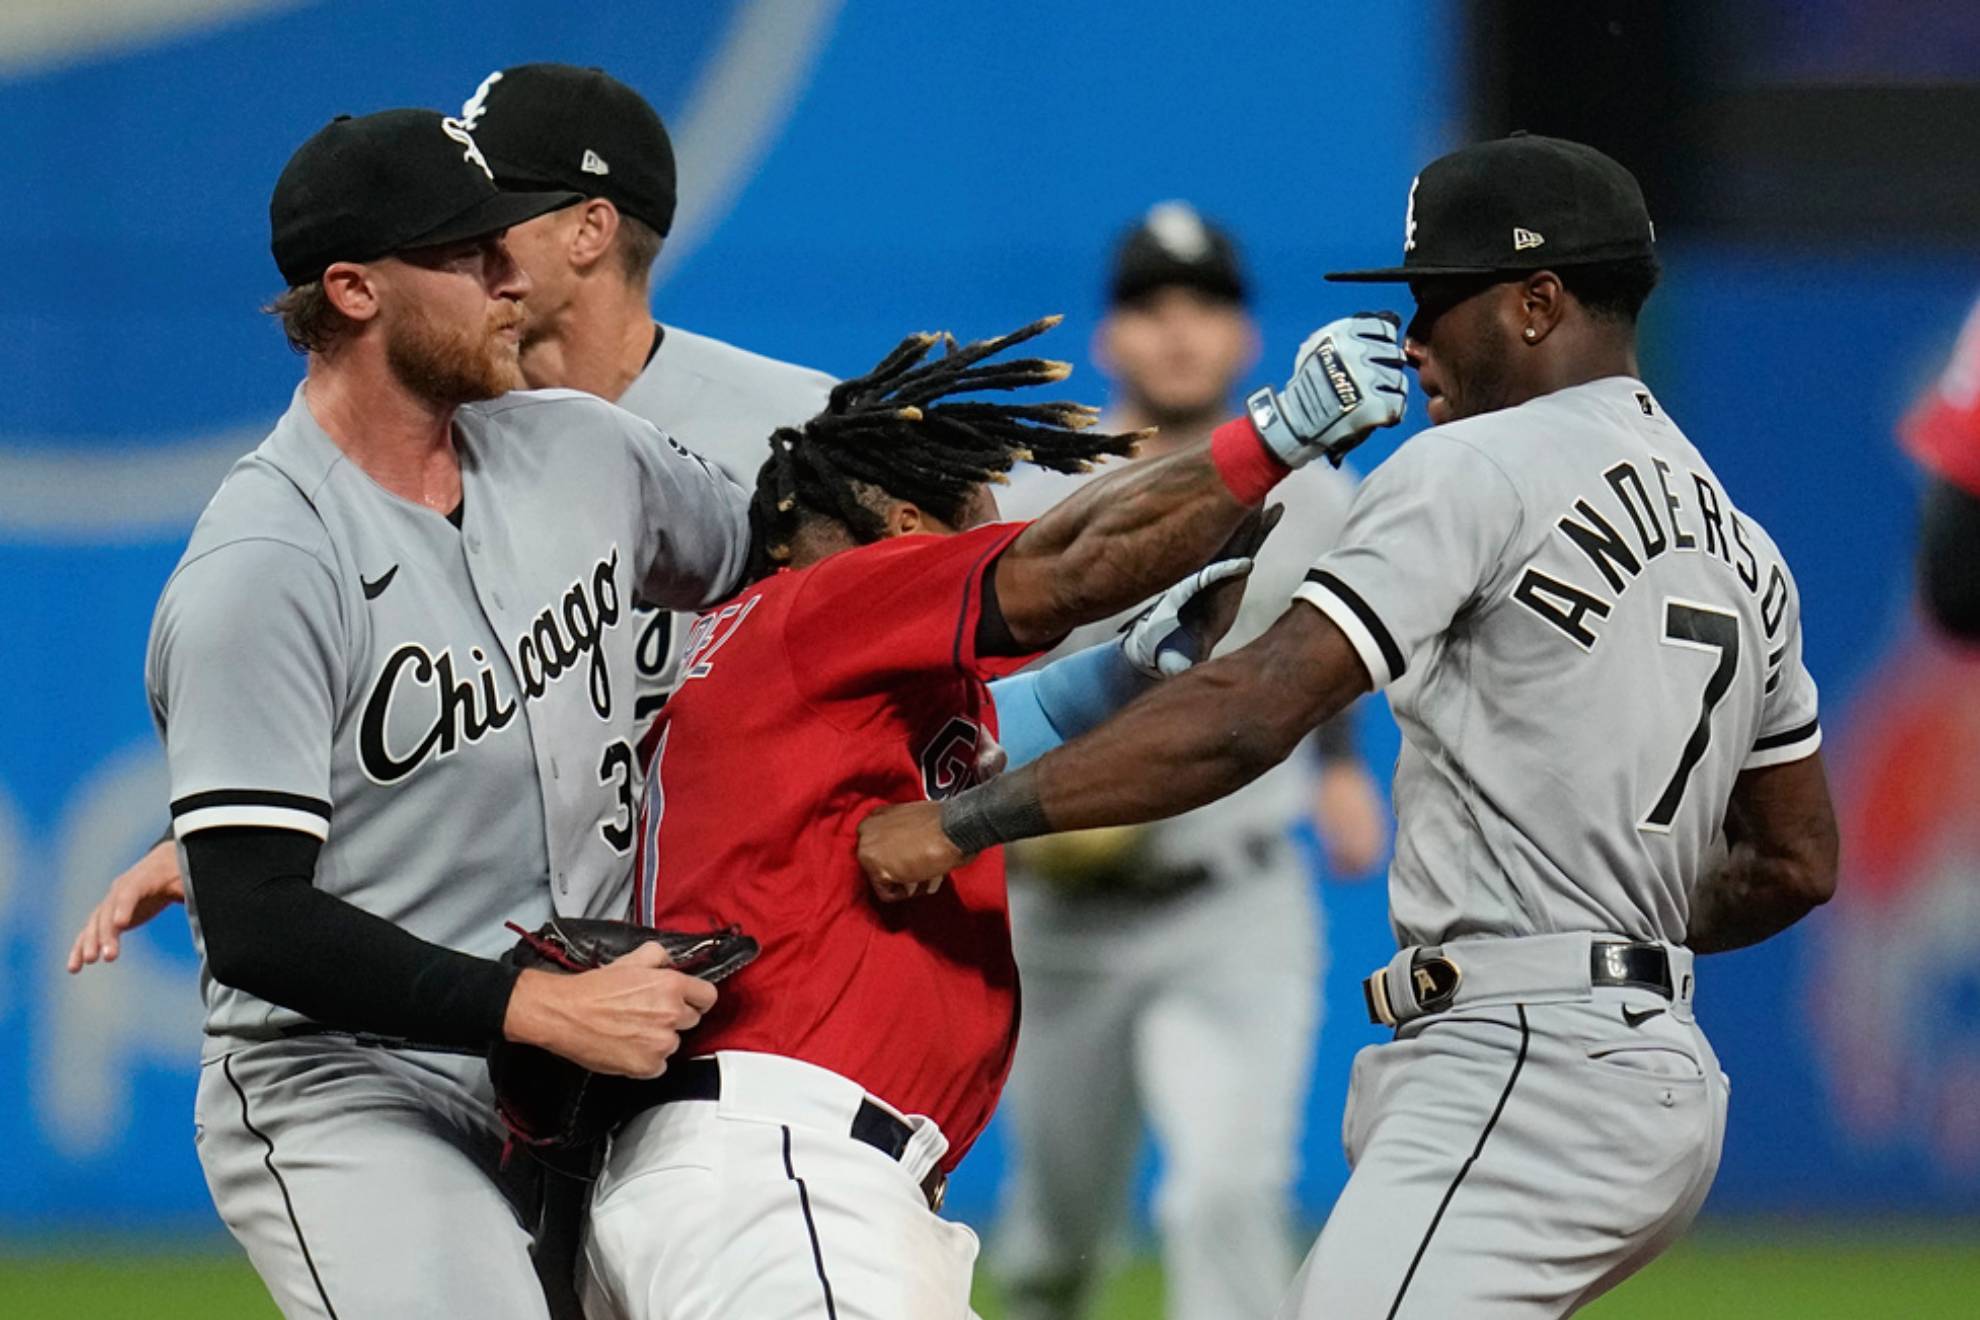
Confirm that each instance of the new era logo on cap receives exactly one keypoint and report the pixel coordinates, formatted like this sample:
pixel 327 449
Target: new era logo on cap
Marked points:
pixel 1526 238
pixel 593 163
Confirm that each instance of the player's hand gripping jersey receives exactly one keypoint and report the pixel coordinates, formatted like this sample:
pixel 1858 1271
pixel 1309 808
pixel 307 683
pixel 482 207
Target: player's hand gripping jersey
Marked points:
pixel 1585 643
pixel 805 702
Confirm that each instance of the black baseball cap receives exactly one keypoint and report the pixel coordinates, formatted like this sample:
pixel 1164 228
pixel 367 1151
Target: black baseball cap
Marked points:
pixel 559 126
pixel 1519 203
pixel 365 188
pixel 1173 245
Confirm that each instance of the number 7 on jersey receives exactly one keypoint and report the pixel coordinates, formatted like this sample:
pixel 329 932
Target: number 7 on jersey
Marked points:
pixel 1703 628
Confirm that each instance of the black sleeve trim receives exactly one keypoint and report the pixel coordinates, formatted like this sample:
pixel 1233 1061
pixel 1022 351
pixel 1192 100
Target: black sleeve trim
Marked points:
pixel 1788 737
pixel 249 797
pixel 1391 653
pixel 269 931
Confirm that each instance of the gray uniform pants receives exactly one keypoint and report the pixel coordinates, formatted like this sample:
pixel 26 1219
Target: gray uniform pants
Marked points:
pixel 363 1182
pixel 1514 1162
pixel 1198 1011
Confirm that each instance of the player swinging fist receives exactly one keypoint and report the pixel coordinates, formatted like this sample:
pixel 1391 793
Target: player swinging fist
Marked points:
pixel 1595 658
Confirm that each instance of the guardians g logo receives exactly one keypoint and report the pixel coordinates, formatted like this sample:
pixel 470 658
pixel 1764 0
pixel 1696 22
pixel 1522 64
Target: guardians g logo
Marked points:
pixel 949 760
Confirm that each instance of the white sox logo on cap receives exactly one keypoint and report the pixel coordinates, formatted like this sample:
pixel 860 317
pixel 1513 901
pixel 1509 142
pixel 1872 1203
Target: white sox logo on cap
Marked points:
pixel 477 105
pixel 456 130
pixel 1409 217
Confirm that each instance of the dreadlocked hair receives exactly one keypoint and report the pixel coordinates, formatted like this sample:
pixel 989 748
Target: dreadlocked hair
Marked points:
pixel 896 430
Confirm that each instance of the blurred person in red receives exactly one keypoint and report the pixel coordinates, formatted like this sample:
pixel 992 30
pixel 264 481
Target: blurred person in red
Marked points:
pixel 1943 433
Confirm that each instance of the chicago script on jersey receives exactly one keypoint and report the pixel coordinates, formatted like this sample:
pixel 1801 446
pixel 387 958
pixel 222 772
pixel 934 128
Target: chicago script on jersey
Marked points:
pixel 462 710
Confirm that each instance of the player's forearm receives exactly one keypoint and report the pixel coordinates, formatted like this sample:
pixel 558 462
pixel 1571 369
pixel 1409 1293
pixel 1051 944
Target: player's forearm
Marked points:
pixel 1038 710
pixel 1780 862
pixel 1193 740
pixel 1748 899
pixel 1116 541
pixel 269 931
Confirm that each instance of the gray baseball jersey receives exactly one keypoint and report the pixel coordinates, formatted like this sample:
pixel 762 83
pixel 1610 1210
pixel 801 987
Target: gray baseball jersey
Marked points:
pixel 1585 642
pixel 446 708
pixel 724 402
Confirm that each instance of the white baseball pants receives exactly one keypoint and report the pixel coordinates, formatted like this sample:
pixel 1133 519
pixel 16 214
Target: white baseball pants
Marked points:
pixel 760 1204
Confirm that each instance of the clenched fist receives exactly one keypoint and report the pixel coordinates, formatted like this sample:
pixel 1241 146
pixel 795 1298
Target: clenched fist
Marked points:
pixel 904 851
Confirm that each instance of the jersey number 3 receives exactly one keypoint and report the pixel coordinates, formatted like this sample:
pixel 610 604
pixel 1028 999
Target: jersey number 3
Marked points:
pixel 1701 628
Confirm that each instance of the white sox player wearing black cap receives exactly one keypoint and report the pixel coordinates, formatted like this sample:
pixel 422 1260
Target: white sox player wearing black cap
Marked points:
pixel 1610 763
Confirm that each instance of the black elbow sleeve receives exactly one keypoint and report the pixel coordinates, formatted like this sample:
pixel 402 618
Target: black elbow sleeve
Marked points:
pixel 267 930
pixel 240 880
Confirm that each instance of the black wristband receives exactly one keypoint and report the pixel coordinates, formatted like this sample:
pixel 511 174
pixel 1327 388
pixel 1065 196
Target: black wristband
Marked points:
pixel 1005 809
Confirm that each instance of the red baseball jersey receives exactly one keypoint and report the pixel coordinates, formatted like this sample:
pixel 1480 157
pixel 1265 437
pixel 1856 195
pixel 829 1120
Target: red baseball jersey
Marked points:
pixel 805 702
pixel 1943 430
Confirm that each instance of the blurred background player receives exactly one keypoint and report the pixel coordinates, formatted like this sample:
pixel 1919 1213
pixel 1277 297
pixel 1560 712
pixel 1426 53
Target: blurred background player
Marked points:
pixel 590 327
pixel 1136 999
pixel 1943 434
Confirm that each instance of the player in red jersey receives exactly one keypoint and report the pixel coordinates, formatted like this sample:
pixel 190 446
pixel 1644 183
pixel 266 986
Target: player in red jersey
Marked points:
pixel 796 1167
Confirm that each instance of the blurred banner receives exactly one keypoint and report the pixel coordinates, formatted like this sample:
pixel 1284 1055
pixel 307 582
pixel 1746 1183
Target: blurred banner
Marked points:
pixel 849 173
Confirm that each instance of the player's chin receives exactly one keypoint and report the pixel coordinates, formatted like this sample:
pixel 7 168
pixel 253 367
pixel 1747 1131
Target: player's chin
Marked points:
pixel 1438 409
pixel 504 367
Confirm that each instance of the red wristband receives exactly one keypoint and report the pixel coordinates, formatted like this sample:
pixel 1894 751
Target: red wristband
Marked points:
pixel 1248 468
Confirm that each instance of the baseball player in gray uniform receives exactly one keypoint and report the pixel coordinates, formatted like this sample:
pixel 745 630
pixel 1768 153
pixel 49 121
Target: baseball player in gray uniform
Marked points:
pixel 590 327
pixel 386 669
pixel 1610 761
pixel 1135 1002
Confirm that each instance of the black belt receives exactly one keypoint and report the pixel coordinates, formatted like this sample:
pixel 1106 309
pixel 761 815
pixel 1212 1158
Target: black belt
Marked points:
pixel 1643 966
pixel 1435 978
pixel 701 1079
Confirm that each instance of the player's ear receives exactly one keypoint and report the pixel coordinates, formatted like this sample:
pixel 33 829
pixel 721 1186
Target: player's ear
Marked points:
pixel 905 519
pixel 592 236
pixel 1254 346
pixel 1541 301
pixel 1102 348
pixel 351 288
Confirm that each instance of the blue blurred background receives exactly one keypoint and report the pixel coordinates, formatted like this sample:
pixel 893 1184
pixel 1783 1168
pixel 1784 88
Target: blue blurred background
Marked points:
pixel 850 172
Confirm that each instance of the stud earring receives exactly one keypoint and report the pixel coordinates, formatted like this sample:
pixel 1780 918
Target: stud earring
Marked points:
pixel 1531 332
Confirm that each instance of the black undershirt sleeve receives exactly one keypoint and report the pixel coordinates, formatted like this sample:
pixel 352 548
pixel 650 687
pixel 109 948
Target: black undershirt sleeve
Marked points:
pixel 993 635
pixel 1949 558
pixel 271 932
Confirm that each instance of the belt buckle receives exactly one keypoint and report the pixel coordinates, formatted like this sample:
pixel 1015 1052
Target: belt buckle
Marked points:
pixel 1433 980
pixel 1434 977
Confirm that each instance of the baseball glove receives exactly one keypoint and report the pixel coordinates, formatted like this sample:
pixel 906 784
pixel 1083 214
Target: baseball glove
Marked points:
pixel 550 1104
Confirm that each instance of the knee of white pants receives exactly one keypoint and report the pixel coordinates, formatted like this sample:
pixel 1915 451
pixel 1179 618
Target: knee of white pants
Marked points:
pixel 1221 1203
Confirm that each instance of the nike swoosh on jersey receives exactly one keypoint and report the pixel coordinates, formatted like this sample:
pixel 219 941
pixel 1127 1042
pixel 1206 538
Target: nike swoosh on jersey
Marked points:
pixel 1637 1017
pixel 373 590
